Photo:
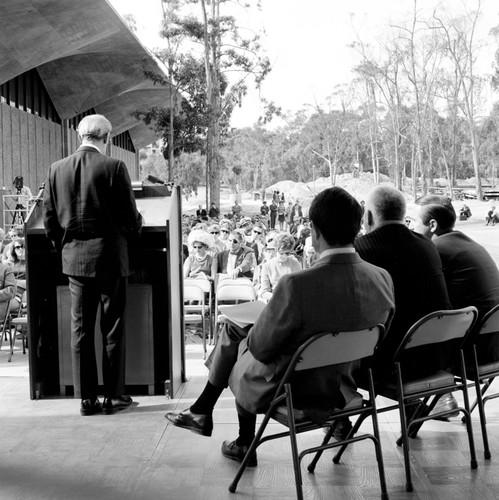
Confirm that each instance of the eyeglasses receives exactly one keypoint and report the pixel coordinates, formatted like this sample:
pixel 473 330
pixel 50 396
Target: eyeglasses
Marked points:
pixel 257 232
pixel 18 246
pixel 215 232
pixel 224 231
pixel 236 242
pixel 270 240
pixel 197 246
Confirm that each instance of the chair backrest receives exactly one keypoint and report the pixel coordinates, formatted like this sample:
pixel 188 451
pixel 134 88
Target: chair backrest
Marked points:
pixel 437 327
pixel 339 347
pixel 490 322
pixel 235 291
pixel 203 283
pixel 20 290
pixel 193 292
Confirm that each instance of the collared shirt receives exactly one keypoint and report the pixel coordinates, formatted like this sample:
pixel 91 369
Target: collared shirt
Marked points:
pixel 231 263
pixel 90 146
pixel 334 251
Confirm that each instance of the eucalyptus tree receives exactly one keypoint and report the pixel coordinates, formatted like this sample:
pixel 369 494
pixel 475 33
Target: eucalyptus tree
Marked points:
pixel 461 47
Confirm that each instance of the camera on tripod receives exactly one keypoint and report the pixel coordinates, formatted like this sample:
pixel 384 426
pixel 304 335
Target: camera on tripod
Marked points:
pixel 18 183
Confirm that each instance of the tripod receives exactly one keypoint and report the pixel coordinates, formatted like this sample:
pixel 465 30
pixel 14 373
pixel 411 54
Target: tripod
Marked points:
pixel 19 212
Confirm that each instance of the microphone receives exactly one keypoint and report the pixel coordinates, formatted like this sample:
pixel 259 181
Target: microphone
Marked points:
pixel 156 180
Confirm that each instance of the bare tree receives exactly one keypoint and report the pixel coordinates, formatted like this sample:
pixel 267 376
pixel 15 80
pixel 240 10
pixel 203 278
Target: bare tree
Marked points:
pixel 462 48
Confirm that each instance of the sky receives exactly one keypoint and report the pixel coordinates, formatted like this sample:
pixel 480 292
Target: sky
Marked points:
pixel 306 42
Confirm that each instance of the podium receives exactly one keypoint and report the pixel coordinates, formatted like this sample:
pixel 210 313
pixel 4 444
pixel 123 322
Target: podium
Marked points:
pixel 154 318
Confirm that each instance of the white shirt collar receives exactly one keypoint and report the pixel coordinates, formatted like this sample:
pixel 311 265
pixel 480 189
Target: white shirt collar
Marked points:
pixel 335 251
pixel 90 146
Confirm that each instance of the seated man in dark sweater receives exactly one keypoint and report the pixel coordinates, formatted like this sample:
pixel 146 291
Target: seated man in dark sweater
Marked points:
pixel 416 270
pixel 471 275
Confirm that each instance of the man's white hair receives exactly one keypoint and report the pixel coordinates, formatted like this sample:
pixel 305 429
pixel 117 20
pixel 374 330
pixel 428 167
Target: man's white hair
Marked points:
pixel 387 204
pixel 94 127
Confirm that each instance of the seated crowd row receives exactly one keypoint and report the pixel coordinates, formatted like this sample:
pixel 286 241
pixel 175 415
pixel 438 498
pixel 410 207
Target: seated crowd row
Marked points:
pixel 245 249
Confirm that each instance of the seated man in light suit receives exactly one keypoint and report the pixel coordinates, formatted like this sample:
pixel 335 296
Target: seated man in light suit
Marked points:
pixel 340 292
pixel 239 260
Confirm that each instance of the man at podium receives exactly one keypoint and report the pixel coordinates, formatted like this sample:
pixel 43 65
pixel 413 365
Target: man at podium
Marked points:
pixel 89 212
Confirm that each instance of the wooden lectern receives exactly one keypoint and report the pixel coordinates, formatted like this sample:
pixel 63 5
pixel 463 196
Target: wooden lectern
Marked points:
pixel 155 362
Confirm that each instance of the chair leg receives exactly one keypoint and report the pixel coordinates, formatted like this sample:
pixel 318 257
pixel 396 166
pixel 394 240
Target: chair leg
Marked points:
pixel 327 438
pixel 379 455
pixel 249 453
pixel 483 390
pixel 353 431
pixel 483 421
pixel 405 448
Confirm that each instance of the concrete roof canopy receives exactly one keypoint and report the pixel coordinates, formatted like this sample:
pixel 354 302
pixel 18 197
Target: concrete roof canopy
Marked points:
pixel 86 56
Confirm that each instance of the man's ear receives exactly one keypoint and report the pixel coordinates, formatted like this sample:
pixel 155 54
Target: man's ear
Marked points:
pixel 434 228
pixel 369 218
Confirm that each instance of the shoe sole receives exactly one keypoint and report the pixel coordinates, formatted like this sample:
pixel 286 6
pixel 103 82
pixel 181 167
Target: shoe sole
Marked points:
pixel 190 428
pixel 251 463
pixel 110 411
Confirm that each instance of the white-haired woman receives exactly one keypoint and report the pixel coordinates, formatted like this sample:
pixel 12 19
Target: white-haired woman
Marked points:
pixel 283 263
pixel 200 263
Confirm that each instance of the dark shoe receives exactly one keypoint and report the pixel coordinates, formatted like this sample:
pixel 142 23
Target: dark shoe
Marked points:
pixel 445 403
pixel 231 450
pixel 112 405
pixel 90 407
pixel 200 424
pixel 342 429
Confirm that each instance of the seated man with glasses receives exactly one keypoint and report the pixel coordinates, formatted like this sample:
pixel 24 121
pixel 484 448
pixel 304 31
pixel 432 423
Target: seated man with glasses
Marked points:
pixel 340 293
pixel 218 246
pixel 239 260
pixel 255 240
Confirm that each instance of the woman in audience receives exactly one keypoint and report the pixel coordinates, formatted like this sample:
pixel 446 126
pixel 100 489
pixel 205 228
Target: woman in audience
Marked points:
pixel 283 263
pixel 200 264
pixel 15 258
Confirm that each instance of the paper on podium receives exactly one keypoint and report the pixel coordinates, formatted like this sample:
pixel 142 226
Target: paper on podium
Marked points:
pixel 243 314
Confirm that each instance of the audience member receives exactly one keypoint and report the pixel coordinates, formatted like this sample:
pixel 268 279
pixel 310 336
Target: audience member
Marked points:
pixel 470 273
pixel 201 213
pixel 214 212
pixel 7 288
pixel 236 209
pixel 340 293
pixel 239 260
pixel 283 263
pixel 415 267
pixel 16 258
pixel 273 214
pixel 200 264
pixel 256 240
pixel 218 245
pixel 492 216
pixel 281 215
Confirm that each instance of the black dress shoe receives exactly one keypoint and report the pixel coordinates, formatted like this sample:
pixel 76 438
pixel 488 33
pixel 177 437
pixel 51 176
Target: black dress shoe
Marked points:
pixel 447 402
pixel 200 424
pixel 112 405
pixel 231 450
pixel 90 407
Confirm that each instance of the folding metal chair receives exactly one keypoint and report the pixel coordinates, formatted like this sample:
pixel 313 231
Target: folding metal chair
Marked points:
pixel 16 323
pixel 206 285
pixel 433 329
pixel 482 373
pixel 325 349
pixel 195 308
pixel 231 291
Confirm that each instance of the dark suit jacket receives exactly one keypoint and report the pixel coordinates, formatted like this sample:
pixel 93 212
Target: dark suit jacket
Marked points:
pixel 245 260
pixel 339 293
pixel 472 279
pixel 416 270
pixel 7 288
pixel 89 211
